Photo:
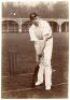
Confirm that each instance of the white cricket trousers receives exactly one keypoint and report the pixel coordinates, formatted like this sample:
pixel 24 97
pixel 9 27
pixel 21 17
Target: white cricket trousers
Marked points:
pixel 45 67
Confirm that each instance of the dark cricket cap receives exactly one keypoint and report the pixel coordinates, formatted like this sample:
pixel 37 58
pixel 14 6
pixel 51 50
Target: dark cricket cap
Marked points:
pixel 33 16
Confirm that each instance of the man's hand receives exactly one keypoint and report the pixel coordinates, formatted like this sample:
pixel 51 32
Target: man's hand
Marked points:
pixel 38 57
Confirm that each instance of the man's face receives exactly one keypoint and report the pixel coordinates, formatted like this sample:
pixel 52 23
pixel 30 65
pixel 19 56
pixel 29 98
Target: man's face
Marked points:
pixel 35 22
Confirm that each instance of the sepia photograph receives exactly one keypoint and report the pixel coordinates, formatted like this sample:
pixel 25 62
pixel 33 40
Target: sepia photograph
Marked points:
pixel 35 49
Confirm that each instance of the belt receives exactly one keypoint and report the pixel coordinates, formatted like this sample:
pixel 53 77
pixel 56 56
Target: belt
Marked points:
pixel 50 37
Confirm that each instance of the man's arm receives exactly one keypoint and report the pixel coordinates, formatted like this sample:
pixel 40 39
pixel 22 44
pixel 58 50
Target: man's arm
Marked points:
pixel 39 47
pixel 45 39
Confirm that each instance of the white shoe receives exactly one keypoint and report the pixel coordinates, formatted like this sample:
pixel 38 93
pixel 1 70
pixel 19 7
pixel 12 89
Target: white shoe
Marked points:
pixel 38 83
pixel 48 88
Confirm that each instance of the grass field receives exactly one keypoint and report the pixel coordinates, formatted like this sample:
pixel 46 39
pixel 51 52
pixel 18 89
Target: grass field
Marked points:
pixel 18 44
pixel 24 50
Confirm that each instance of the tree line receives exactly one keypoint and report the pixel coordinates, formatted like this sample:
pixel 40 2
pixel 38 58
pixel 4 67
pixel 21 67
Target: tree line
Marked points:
pixel 58 10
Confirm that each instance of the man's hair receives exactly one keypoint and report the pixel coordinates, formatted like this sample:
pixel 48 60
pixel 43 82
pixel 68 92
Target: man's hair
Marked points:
pixel 33 16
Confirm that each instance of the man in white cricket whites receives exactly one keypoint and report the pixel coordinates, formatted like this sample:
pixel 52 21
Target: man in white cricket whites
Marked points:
pixel 41 33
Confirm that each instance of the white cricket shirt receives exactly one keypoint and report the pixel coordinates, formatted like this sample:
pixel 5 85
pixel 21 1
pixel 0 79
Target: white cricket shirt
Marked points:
pixel 40 32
